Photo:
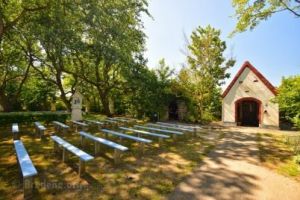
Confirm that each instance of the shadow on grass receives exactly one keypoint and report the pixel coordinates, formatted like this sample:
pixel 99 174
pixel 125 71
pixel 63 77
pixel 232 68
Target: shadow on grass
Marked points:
pixel 151 176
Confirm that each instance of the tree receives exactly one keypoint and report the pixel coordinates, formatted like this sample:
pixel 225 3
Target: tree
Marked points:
pixel 289 99
pixel 113 44
pixel 13 43
pixel 250 13
pixel 53 53
pixel 206 68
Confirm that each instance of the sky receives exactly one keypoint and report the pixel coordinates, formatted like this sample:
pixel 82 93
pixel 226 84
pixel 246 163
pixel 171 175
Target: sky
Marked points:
pixel 273 47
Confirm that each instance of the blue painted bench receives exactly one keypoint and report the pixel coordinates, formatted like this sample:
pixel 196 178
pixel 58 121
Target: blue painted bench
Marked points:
pixel 60 127
pixel 141 141
pixel 27 168
pixel 174 133
pixel 195 128
pixel 15 131
pixel 139 132
pixel 82 125
pixel 66 146
pixel 188 130
pixel 97 140
pixel 119 120
pixel 39 129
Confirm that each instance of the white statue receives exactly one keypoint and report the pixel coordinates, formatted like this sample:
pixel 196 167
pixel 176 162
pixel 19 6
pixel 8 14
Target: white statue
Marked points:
pixel 77 106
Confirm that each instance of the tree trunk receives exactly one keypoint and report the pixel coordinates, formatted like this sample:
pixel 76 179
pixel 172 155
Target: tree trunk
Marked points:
pixel 105 102
pixel 66 101
pixel 5 103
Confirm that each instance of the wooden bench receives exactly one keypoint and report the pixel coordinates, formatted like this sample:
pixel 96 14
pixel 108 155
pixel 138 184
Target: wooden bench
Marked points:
pixel 60 127
pixel 66 146
pixel 82 125
pixel 141 141
pixel 174 133
pixel 15 131
pixel 139 132
pixel 97 140
pixel 94 122
pixel 28 170
pixel 189 130
pixel 39 129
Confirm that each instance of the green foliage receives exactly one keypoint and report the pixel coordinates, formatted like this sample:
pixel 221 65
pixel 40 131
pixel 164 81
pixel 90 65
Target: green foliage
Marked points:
pixel 289 99
pixel 250 12
pixel 206 71
pixel 28 117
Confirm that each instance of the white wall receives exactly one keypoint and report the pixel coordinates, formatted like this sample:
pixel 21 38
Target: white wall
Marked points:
pixel 256 90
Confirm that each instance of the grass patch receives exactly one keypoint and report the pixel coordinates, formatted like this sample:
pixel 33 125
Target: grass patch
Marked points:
pixel 152 176
pixel 276 154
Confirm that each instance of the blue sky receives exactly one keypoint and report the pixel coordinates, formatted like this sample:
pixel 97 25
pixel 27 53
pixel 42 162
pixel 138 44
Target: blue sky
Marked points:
pixel 273 47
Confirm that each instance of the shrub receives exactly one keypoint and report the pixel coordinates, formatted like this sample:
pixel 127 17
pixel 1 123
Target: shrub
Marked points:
pixel 29 117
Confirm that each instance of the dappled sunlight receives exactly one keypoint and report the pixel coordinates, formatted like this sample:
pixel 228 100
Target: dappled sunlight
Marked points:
pixel 155 173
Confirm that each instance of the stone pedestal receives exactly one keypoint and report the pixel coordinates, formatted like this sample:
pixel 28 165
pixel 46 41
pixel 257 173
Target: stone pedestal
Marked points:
pixel 76 107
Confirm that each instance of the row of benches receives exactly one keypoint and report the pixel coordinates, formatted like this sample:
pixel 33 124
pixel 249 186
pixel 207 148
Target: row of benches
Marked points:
pixel 29 171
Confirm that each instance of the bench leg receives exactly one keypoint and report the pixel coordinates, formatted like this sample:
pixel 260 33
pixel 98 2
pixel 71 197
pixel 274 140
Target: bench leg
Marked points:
pixel 65 155
pixel 160 140
pixel 195 132
pixel 117 156
pixel 97 148
pixel 42 133
pixel 174 136
pixel 28 187
pixel 82 141
pixel 81 167
pixel 55 147
pixel 142 148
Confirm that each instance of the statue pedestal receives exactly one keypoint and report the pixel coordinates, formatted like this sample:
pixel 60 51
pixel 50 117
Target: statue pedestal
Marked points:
pixel 76 107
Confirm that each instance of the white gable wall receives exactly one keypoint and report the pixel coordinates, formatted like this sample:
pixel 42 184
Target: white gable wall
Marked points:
pixel 256 90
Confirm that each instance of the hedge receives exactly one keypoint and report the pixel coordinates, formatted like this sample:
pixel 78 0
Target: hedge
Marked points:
pixel 29 117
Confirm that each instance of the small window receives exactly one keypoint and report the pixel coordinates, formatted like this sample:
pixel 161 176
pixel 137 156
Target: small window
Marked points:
pixel 255 81
pixel 240 82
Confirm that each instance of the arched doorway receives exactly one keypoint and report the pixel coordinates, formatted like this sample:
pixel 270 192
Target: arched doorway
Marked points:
pixel 248 112
pixel 173 110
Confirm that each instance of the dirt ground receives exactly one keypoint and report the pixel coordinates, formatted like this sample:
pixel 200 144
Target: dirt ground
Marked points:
pixel 235 170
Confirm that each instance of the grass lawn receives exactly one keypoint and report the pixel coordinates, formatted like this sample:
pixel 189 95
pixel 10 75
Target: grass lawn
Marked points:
pixel 152 176
pixel 276 154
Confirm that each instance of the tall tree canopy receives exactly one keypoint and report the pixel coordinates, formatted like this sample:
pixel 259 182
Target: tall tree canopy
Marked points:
pixel 250 12
pixel 206 69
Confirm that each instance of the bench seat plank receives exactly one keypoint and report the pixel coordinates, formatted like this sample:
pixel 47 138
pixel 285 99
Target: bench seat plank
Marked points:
pixel 138 139
pixel 161 130
pixel 83 155
pixel 94 122
pixel 60 124
pixel 79 123
pixel 39 126
pixel 180 125
pixel 103 141
pixel 25 162
pixel 171 127
pixel 145 132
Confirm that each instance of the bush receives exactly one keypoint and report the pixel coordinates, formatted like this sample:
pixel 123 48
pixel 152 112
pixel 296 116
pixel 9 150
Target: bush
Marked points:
pixel 29 117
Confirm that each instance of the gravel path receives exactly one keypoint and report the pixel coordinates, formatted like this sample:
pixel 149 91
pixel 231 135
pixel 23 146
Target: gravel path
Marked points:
pixel 232 172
